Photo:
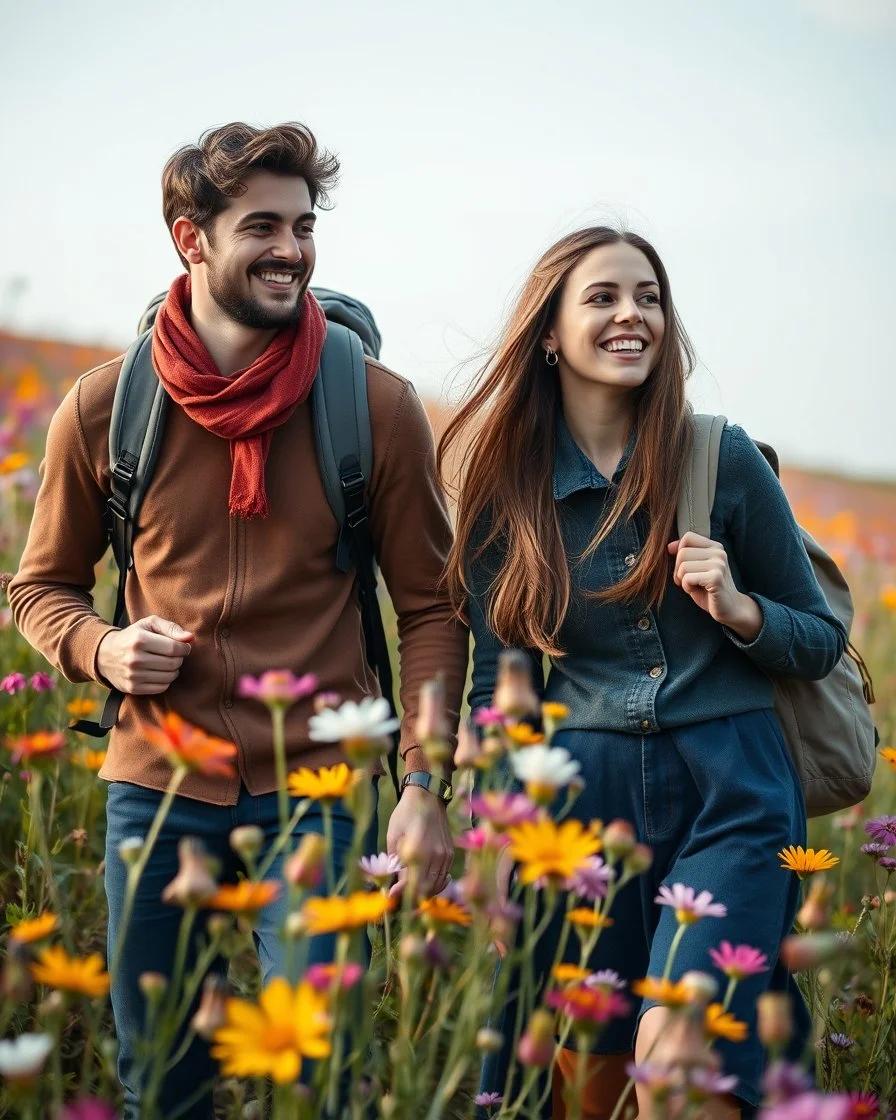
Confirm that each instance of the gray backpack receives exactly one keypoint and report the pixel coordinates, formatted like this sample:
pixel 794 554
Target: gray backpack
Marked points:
pixel 344 453
pixel 827 724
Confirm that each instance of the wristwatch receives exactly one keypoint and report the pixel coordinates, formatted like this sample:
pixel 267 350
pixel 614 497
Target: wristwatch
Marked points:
pixel 438 787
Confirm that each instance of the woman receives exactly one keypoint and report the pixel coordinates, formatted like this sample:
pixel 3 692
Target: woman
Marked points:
pixel 575 441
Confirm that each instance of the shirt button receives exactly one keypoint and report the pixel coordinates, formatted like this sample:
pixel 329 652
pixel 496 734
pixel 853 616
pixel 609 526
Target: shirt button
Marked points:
pixel 656 671
pixel 630 560
pixel 225 633
pixel 645 724
pixel 644 622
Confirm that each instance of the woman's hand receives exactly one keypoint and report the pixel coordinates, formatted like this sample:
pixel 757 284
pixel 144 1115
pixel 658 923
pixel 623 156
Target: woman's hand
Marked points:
pixel 701 570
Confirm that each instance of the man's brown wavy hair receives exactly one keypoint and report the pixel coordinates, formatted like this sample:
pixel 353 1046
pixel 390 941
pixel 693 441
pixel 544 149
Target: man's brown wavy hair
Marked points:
pixel 199 180
pixel 500 445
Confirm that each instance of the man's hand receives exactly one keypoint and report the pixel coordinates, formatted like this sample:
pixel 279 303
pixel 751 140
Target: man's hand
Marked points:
pixel 145 657
pixel 422 817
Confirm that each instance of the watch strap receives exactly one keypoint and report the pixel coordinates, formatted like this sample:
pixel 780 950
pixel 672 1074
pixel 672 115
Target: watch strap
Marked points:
pixel 435 785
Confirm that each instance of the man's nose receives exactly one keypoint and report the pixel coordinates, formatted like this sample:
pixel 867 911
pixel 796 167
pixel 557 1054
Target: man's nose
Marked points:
pixel 287 247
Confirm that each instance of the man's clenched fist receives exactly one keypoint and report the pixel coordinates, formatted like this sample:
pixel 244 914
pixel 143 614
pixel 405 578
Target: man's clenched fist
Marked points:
pixel 145 657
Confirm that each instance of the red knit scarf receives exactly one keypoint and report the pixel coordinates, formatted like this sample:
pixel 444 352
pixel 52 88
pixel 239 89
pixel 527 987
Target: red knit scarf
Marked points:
pixel 248 407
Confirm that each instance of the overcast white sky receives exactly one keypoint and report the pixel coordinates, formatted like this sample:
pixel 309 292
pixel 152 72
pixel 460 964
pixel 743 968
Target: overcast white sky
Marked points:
pixel 753 142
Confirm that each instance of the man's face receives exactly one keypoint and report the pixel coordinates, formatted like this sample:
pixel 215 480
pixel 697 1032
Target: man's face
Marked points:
pixel 259 253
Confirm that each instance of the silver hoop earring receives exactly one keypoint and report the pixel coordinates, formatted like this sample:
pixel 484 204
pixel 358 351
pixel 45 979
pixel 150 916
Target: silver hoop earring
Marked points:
pixel 551 357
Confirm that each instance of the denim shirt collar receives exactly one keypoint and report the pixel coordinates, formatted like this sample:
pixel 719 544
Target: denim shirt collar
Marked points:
pixel 573 470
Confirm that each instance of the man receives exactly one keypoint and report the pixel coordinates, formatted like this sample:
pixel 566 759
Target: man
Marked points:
pixel 234 555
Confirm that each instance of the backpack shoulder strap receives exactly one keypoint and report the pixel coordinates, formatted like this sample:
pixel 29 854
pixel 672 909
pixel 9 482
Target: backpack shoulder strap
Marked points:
pixel 135 433
pixel 345 455
pixel 698 486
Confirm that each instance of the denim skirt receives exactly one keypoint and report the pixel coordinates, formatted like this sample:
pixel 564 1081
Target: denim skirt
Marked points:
pixel 715 801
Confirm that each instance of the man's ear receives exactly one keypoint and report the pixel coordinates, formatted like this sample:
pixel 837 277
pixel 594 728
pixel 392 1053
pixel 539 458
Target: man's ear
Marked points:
pixel 189 240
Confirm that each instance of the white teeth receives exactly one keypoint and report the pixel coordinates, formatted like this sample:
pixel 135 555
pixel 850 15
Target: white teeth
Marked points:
pixel 278 277
pixel 624 344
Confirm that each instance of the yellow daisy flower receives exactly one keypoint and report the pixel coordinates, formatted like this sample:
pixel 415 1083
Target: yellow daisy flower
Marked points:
pixel 548 850
pixel 587 919
pixel 82 975
pixel 552 710
pixel 807 862
pixel 90 759
pixel 722 1024
pixel 671 993
pixel 34 929
pixel 270 1038
pixel 13 462
pixel 80 707
pixel 327 784
pixel 337 914
pixel 442 911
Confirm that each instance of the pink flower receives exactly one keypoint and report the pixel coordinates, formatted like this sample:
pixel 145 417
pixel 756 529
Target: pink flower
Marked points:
pixel 690 908
pixel 738 961
pixel 810 1106
pixel 489 717
pixel 322 977
pixel 479 839
pixel 659 1079
pixel 503 810
pixel 277 686
pixel 40 682
pixel 882 829
pixel 380 868
pixel 12 683
pixel 488 1100
pixel 588 1005
pixel 88 1109
pixel 590 881
pixel 709 1083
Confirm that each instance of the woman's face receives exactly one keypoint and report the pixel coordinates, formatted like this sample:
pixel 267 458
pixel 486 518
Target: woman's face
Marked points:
pixel 609 324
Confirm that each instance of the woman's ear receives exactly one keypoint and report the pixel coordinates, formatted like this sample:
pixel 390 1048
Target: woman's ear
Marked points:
pixel 550 341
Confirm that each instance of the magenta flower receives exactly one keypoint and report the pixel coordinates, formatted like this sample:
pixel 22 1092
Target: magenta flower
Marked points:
pixel 88 1109
pixel 688 906
pixel 40 682
pixel 588 1005
pixel 738 961
pixel 708 1083
pixel 659 1079
pixel 591 880
pixel 380 868
pixel 811 1106
pixel 479 839
pixel 864 1104
pixel 503 810
pixel 605 978
pixel 488 1100
pixel 12 683
pixel 489 717
pixel 277 687
pixel 322 977
pixel 882 829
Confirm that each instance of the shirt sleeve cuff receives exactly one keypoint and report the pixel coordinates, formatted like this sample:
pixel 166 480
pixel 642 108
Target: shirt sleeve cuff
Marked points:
pixel 771 646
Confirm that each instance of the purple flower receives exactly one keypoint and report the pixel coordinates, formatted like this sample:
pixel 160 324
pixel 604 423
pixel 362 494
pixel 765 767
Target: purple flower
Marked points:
pixel 874 850
pixel 277 686
pixel 40 682
pixel 841 1041
pixel 591 880
pixel 690 907
pixel 784 1080
pixel 606 978
pixel 488 1100
pixel 882 829
pixel 810 1106
pixel 708 1083
pixel 12 683
pixel 887 863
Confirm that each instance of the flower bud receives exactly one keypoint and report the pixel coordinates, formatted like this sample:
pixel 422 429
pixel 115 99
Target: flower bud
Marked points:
pixel 809 950
pixel 412 949
pixel 700 986
pixel 514 694
pixel 153 985
pixel 536 1047
pixel 305 867
pixel 218 924
pixel 247 841
pixel 432 727
pixel 469 751
pixel 489 1041
pixel 294 926
pixel 52 1007
pixel 619 840
pixel 639 860
pixel 16 984
pixel 814 914
pixel 211 1014
pixel 326 700
pixel 774 1019
pixel 130 849
pixel 193 883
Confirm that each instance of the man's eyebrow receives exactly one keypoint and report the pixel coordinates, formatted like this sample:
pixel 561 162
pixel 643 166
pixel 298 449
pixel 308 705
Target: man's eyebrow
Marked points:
pixel 613 284
pixel 272 216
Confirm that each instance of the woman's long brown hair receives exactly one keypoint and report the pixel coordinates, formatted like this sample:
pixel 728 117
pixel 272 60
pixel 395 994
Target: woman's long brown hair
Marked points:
pixel 501 446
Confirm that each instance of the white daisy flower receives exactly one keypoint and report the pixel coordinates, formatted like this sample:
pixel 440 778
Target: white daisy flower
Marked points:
pixel 363 722
pixel 544 767
pixel 23 1058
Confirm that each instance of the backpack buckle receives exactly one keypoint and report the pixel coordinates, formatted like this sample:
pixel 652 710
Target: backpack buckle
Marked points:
pixel 352 483
pixel 117 507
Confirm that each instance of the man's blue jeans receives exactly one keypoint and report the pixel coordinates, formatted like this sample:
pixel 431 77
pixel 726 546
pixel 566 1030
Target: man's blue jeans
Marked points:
pixel 152 934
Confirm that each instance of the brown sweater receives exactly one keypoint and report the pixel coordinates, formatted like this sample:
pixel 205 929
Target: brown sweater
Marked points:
pixel 260 594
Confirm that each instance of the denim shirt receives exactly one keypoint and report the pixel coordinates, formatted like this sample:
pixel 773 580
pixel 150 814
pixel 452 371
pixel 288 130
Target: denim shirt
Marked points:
pixel 630 668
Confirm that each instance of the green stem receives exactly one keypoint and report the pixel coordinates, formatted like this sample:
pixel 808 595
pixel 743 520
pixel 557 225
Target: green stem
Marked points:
pixel 729 992
pixel 283 838
pixel 673 950
pixel 278 718
pixel 327 810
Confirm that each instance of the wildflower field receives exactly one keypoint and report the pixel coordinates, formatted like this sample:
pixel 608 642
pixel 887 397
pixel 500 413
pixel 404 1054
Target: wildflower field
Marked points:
pixel 405 1037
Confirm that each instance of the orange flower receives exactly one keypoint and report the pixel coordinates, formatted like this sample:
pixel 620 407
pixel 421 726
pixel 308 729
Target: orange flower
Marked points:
pixel 80 975
pixel 588 919
pixel 337 914
pixel 442 911
pixel 722 1024
pixel 671 993
pixel 888 754
pixel 34 929
pixel 13 462
pixel 182 744
pixel 80 707
pixel 522 734
pixel 33 748
pixel 888 597
pixel 244 897
pixel 570 973
pixel 89 759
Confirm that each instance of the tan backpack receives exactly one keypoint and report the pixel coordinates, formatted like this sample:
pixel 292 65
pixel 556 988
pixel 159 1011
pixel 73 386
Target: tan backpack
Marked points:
pixel 827 724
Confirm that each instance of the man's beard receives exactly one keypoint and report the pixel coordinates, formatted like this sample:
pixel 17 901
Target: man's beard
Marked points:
pixel 250 312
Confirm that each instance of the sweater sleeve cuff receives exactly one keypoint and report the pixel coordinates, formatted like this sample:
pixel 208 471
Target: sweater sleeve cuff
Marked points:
pixel 771 646
pixel 83 648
